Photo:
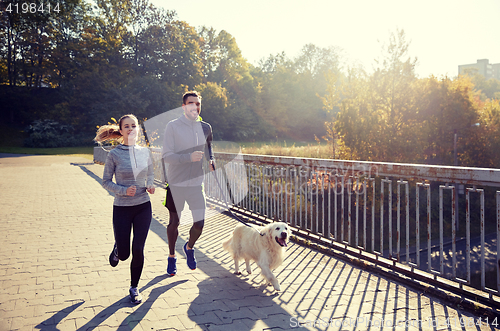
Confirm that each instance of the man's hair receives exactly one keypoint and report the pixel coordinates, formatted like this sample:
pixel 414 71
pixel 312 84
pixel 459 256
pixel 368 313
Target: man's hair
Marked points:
pixel 190 94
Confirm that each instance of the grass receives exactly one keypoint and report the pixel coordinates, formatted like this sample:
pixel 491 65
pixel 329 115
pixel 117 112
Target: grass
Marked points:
pixel 284 143
pixel 309 151
pixel 313 150
pixel 85 152
pixel 286 148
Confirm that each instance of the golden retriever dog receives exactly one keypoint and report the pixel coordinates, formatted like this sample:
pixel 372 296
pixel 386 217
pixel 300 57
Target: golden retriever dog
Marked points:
pixel 265 248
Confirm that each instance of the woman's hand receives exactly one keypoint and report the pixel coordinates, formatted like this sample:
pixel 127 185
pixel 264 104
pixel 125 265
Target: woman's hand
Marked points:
pixel 150 189
pixel 131 191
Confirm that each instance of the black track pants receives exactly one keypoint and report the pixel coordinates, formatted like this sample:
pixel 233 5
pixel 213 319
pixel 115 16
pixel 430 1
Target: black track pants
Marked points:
pixel 125 220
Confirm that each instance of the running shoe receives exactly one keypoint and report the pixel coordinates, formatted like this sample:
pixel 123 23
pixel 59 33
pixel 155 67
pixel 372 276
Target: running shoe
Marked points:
pixel 135 297
pixel 172 266
pixel 113 257
pixel 191 261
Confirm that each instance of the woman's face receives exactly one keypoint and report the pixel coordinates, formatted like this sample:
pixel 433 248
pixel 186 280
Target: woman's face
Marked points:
pixel 128 130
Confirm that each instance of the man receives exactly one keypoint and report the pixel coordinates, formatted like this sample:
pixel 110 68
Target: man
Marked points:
pixel 186 140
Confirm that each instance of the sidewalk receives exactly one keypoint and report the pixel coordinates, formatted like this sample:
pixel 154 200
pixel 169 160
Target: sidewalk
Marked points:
pixel 56 235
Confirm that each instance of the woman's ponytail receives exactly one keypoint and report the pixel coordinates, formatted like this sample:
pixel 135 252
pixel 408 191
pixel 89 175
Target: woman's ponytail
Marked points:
pixel 108 132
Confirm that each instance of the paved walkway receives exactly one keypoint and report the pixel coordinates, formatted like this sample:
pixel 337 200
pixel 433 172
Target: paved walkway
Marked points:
pixel 56 235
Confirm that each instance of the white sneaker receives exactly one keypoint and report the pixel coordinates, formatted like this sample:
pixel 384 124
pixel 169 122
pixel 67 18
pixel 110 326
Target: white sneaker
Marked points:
pixel 135 297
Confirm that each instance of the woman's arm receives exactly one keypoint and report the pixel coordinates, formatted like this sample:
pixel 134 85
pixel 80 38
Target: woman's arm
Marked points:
pixel 107 177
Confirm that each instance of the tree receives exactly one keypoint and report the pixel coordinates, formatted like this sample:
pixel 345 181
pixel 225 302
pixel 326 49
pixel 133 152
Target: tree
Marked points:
pixel 488 136
pixel 356 124
pixel 489 88
pixel 68 56
pixel 214 108
pixel 146 21
pixel 452 108
pixel 222 58
pixel 28 41
pixel 392 97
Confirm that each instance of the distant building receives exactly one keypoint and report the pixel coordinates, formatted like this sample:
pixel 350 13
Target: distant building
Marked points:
pixel 483 67
pixel 496 70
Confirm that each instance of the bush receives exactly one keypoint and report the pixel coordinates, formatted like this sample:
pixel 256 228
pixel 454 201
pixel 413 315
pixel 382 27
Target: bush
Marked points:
pixel 49 133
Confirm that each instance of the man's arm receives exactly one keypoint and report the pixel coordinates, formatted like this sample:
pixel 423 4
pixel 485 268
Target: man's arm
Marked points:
pixel 209 154
pixel 207 130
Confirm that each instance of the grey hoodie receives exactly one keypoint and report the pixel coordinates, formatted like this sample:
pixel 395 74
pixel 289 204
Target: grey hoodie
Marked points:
pixel 131 165
pixel 182 137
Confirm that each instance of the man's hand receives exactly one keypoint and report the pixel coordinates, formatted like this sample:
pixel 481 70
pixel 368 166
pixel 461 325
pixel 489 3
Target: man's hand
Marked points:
pixel 150 189
pixel 196 156
pixel 212 165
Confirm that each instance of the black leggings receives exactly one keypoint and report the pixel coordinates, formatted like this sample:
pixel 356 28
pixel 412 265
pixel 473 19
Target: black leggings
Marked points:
pixel 126 219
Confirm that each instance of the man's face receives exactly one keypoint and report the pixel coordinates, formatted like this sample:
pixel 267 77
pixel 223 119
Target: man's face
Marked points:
pixel 192 108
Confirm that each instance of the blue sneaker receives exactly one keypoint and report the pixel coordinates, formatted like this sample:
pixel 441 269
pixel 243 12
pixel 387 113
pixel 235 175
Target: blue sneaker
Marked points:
pixel 171 266
pixel 191 261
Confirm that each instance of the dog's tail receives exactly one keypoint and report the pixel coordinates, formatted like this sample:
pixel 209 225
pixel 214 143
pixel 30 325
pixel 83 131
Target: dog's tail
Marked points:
pixel 227 245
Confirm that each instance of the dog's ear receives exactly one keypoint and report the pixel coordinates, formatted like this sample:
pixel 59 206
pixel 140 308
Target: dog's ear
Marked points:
pixel 267 229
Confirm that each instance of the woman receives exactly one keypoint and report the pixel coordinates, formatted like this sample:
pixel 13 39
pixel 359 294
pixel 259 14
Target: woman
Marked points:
pixel 132 167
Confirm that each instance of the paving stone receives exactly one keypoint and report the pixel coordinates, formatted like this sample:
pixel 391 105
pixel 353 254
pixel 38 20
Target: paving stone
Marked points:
pixel 206 319
pixel 236 325
pixel 202 308
pixel 54 270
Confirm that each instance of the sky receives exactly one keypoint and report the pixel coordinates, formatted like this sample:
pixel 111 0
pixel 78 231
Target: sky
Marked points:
pixel 442 33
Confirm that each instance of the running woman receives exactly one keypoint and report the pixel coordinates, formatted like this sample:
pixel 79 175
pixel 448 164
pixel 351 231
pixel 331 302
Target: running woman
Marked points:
pixel 132 168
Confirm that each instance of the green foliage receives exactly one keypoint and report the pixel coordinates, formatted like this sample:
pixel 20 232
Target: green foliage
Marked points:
pixel 48 133
pixel 93 61
pixel 85 152
pixel 392 116
pixel 288 90
pixel 21 105
pixel 215 108
pixel 490 88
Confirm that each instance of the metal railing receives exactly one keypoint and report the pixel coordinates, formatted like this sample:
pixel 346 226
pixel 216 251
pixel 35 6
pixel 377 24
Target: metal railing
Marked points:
pixel 407 213
pixel 408 217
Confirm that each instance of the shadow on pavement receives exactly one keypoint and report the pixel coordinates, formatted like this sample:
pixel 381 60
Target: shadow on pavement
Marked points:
pixel 136 317
pixel 316 288
pixel 50 324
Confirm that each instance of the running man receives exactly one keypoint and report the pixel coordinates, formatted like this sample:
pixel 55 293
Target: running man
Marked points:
pixel 187 139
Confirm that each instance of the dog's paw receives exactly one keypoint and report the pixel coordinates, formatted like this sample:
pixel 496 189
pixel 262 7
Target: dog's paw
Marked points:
pixel 237 272
pixel 276 285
